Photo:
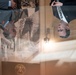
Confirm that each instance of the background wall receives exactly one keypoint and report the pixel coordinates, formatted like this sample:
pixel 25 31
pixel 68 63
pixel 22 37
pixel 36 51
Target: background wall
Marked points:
pixel 64 69
pixel 8 68
pixel 0 67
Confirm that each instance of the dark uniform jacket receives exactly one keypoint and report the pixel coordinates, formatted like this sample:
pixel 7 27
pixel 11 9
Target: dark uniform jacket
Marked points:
pixel 68 11
pixel 4 4
pixel 66 2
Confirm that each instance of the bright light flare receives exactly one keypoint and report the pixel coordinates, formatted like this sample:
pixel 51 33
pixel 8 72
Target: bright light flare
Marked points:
pixel 48 46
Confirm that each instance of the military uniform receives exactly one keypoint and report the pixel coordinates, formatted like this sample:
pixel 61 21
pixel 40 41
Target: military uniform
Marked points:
pixel 4 4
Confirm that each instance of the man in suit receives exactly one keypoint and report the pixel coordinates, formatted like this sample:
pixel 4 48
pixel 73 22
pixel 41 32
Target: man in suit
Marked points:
pixel 10 4
pixel 65 12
